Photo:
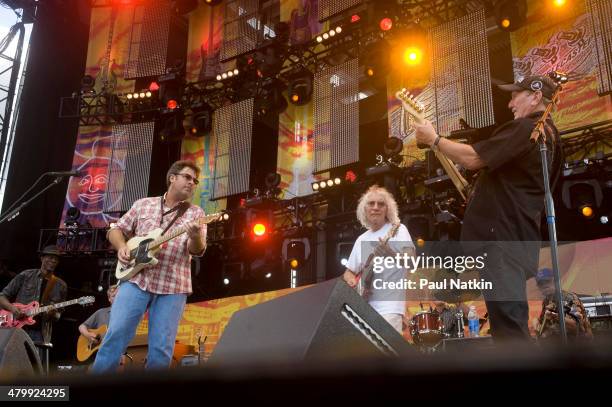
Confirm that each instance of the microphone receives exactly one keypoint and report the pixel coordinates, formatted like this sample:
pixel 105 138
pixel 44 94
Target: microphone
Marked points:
pixel 65 173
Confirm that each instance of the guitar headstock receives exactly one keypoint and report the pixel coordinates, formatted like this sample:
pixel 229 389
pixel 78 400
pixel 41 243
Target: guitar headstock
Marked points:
pixel 213 217
pixel 410 104
pixel 86 300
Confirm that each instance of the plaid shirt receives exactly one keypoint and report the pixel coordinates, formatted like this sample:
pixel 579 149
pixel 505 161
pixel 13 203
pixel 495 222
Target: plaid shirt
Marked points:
pixel 172 275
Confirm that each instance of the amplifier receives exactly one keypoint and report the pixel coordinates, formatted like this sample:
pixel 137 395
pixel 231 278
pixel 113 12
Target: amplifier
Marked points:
pixel 597 306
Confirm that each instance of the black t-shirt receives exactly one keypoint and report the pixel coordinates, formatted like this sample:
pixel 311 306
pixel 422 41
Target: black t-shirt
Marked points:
pixel 508 199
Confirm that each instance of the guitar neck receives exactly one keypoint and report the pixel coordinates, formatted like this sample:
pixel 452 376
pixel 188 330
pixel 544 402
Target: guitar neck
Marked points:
pixel 449 167
pixel 51 307
pixel 176 233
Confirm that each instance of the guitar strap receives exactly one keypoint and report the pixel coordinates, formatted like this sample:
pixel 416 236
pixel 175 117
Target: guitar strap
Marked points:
pixel 47 292
pixel 180 210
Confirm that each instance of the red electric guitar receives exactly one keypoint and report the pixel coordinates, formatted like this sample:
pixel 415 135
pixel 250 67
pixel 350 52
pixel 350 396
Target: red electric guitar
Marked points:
pixel 7 319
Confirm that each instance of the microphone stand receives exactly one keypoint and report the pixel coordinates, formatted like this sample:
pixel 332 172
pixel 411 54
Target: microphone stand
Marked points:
pixel 539 136
pixel 15 212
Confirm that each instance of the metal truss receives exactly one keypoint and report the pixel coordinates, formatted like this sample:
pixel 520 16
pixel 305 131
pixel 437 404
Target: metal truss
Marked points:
pixel 7 94
pixel 434 12
pixel 77 240
pixel 583 142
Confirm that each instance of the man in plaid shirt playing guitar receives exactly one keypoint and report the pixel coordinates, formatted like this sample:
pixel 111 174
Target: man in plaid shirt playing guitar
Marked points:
pixel 161 288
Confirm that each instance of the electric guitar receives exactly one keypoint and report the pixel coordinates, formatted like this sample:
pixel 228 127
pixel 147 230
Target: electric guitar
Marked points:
pixel 144 248
pixel 365 276
pixel 415 110
pixel 7 319
pixel 86 348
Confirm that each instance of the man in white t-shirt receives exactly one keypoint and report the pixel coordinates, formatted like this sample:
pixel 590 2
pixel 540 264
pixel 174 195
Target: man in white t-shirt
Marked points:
pixel 377 212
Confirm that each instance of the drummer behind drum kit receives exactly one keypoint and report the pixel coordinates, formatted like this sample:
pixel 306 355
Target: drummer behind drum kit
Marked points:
pixel 427 329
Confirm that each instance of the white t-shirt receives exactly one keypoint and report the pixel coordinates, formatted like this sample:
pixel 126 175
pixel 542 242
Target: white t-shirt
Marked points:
pixel 383 301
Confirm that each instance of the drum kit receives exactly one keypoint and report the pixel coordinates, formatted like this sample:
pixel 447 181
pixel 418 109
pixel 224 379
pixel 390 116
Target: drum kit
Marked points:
pixel 427 328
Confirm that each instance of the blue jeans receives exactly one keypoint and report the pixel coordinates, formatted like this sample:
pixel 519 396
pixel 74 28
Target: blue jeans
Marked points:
pixel 165 311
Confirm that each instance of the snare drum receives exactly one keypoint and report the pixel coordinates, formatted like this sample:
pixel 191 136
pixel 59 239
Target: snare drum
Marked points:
pixel 426 327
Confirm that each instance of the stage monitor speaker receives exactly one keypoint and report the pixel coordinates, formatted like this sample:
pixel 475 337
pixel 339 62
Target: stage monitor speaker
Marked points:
pixel 326 321
pixel 18 354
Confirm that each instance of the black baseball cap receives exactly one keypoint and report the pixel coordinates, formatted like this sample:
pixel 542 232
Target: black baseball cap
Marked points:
pixel 533 83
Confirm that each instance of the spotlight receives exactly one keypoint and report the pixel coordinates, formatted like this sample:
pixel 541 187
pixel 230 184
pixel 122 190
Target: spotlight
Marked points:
pixel 413 56
pixel 225 217
pixel 268 275
pixel 587 211
pixel 300 88
pixel 135 95
pixel 322 184
pixel 173 129
pixel 272 99
pixel 87 83
pixel 259 229
pixel 330 183
pixel 377 59
pixel 355 18
pixel 582 195
pixel 226 281
pixel 172 85
pixel 337 181
pixel 344 261
pixel 170 104
pixel 72 216
pixel 273 180
pixel 148 94
pixel 153 86
pixel 559 3
pixel 510 15
pixel 315 186
pixel 201 122
pixel 386 24
pixel 294 263
pixel 142 95
pixel 393 149
pixel 603 220
pixel 129 96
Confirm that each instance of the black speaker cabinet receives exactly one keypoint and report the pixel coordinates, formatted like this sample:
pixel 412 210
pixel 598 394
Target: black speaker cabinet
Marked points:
pixel 326 321
pixel 18 355
pixel 468 344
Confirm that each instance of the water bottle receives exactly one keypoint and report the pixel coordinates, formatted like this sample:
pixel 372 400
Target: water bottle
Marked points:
pixel 473 322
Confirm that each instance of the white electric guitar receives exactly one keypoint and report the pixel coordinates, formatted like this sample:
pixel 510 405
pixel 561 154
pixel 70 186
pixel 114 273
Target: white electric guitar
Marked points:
pixel 144 248
pixel 415 110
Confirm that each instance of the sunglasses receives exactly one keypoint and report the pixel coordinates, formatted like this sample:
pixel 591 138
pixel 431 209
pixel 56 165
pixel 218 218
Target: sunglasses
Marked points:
pixel 189 178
